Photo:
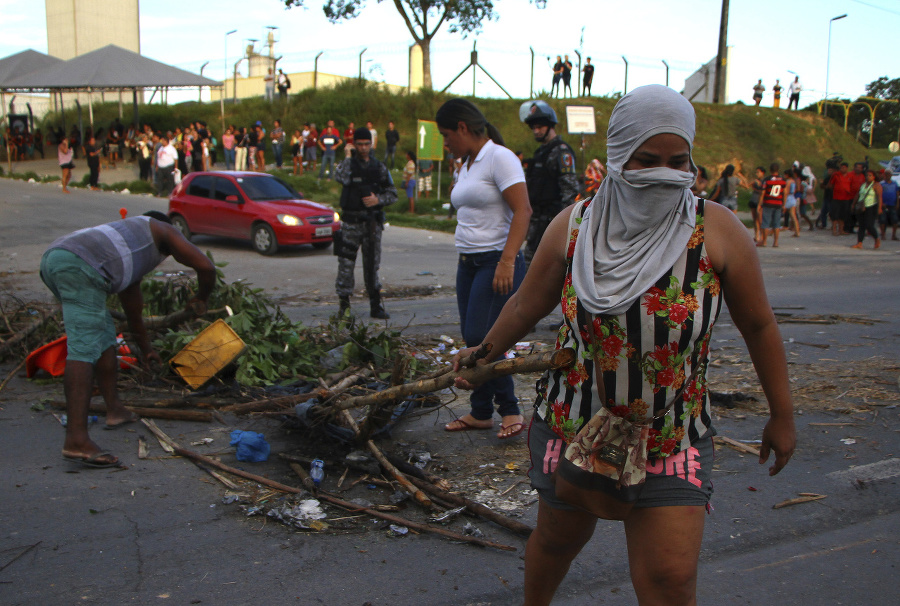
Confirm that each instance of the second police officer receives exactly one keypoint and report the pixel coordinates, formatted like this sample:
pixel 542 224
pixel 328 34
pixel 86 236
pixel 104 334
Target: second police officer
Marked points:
pixel 551 177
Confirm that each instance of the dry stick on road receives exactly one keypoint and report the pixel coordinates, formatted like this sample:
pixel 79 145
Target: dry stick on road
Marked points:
pixel 200 416
pixel 532 363
pixel 420 496
pixel 466 362
pixel 285 402
pixel 12 372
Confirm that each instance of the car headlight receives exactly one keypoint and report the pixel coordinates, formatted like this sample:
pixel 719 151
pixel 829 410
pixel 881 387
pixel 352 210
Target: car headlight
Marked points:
pixel 337 217
pixel 290 220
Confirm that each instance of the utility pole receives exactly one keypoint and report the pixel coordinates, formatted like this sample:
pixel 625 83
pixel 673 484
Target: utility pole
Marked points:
pixel 719 87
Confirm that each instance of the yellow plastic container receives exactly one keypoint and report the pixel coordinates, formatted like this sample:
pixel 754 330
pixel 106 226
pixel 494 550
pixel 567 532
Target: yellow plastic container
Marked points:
pixel 213 349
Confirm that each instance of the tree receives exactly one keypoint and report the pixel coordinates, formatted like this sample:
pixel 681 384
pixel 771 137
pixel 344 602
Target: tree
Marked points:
pixel 423 18
pixel 884 88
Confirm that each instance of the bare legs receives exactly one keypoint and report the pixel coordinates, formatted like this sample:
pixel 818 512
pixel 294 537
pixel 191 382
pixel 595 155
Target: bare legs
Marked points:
pixel 663 550
pixel 558 538
pixel 79 385
pixel 66 176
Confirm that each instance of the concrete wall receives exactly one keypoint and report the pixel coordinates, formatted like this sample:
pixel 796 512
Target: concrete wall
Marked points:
pixel 76 27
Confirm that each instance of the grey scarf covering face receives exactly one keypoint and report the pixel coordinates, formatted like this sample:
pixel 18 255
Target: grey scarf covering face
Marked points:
pixel 640 221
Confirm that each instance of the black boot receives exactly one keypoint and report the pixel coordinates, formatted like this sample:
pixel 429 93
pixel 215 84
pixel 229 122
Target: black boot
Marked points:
pixel 344 309
pixel 377 308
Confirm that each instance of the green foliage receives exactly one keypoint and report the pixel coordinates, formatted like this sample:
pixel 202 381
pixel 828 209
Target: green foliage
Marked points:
pixel 278 350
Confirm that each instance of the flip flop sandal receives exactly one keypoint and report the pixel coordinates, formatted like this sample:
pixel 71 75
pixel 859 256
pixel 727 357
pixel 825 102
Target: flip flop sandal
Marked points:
pixel 92 461
pixel 519 428
pixel 466 426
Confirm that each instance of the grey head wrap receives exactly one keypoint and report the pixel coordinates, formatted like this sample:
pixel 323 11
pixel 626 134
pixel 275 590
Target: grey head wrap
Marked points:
pixel 640 221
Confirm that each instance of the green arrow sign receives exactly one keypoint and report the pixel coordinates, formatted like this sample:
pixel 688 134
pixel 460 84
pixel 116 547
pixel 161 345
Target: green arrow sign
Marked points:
pixel 429 142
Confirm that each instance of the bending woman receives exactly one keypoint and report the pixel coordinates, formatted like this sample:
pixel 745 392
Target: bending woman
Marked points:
pixel 643 269
pixel 493 213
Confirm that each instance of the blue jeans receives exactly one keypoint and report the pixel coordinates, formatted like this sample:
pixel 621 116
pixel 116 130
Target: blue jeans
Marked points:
pixel 277 148
pixel 327 159
pixel 479 307
pixel 229 159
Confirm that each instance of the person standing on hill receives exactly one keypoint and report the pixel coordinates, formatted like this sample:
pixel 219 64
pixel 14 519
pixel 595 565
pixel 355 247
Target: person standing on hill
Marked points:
pixel 551 178
pixel 310 145
pixel 567 77
pixel 776 94
pixel 588 77
pixel 794 89
pixel 774 197
pixel 368 188
pixel 329 141
pixel 269 81
pixel 758 90
pixel 557 74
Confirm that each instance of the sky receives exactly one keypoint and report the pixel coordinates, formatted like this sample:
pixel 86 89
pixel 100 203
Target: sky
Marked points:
pixel 769 39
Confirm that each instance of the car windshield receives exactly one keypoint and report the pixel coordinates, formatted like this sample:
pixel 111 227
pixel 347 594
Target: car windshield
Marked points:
pixel 266 188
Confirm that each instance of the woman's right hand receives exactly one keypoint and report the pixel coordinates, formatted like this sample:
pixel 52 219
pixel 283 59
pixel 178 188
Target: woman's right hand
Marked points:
pixel 461 355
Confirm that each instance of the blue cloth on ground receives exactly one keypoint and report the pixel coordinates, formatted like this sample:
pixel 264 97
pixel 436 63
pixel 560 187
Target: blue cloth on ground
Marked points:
pixel 251 446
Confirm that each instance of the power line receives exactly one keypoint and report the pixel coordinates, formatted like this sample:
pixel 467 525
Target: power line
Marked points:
pixel 881 8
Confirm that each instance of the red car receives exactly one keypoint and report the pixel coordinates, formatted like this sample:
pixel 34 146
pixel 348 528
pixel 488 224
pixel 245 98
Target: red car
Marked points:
pixel 247 205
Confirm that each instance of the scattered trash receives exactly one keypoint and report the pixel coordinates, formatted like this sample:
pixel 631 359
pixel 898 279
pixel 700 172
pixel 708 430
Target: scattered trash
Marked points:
pixel 472 530
pixel 447 515
pixel 446 339
pixel 333 358
pixel 64 419
pixel 398 497
pixel 317 471
pixel 251 446
pixel 202 442
pixel 424 273
pixel 805 497
pixel 230 498
pixel 300 515
pixel 420 459
pixel 848 441
pixel 512 466
pixel 398 531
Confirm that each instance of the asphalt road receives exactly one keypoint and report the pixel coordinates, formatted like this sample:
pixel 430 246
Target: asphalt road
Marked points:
pixel 159 533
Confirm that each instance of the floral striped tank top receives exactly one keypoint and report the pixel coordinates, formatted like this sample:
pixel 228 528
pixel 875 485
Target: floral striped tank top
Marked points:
pixel 645 354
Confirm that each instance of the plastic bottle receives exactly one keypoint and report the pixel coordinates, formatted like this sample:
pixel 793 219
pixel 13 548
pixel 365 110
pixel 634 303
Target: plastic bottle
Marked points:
pixel 316 471
pixel 64 419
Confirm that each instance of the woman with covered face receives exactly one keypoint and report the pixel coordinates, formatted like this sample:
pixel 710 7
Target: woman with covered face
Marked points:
pixel 641 272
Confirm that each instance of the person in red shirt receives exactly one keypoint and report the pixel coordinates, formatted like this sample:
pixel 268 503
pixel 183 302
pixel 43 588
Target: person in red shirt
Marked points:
pixel 348 133
pixel 842 194
pixel 857 179
pixel 774 197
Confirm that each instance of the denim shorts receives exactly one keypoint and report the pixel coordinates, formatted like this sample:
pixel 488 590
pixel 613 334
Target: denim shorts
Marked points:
pixel 683 479
pixel 889 216
pixel 771 217
pixel 82 291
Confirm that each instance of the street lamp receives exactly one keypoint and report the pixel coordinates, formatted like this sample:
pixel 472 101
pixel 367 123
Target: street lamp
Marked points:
pixel 225 62
pixel 828 57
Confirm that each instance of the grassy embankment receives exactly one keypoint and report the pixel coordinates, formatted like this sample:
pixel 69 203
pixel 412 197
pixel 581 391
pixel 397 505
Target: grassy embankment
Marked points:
pixel 742 135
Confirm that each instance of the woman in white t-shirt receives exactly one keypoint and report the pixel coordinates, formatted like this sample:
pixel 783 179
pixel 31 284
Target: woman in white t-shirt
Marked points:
pixel 492 221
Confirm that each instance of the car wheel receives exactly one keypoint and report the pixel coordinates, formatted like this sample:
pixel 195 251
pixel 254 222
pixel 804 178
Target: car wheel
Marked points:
pixel 182 226
pixel 321 245
pixel 263 239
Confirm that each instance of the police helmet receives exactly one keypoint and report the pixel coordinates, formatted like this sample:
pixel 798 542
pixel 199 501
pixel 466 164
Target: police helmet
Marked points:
pixel 537 113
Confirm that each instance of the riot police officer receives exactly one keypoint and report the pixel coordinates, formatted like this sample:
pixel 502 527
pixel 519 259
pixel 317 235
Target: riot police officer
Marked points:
pixel 368 188
pixel 551 177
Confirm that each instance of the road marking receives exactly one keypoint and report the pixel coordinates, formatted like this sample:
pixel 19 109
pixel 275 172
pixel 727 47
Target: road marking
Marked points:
pixel 813 554
pixel 882 470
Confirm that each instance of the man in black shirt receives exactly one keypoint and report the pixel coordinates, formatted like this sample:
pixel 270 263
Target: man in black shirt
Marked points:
pixel 392 137
pixel 588 77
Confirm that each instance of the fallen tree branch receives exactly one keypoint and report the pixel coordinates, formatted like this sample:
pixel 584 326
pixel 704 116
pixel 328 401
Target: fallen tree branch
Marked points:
pixel 402 479
pixel 740 446
pixel 12 373
pixel 532 363
pixel 152 413
pixel 466 362
pixel 805 497
pixel 23 334
pixel 281 402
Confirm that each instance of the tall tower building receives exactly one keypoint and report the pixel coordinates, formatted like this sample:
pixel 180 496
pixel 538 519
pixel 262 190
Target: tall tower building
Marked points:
pixel 75 27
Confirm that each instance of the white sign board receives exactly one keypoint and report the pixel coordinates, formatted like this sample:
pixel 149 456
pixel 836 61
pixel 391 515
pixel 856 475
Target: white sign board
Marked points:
pixel 580 120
